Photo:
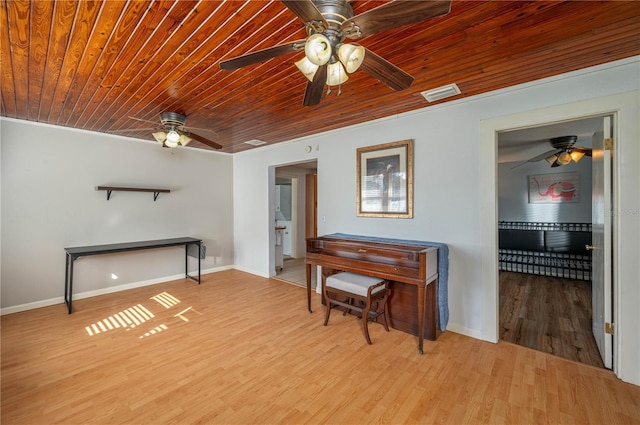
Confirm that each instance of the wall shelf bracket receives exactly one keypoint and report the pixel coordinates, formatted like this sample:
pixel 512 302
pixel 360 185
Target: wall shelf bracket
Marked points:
pixel 109 189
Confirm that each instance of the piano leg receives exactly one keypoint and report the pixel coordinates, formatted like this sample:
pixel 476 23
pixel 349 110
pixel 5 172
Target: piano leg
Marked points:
pixel 309 287
pixel 421 302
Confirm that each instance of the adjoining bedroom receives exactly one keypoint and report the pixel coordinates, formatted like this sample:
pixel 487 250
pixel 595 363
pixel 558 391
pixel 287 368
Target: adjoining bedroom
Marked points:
pixel 546 189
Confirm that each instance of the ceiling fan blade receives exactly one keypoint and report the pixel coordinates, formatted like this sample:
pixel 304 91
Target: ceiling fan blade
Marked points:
pixel 305 10
pixel 189 129
pixel 385 71
pixel 140 119
pixel 518 165
pixel 313 93
pixel 133 130
pixel 205 141
pixel 544 155
pixel 392 15
pixel 261 55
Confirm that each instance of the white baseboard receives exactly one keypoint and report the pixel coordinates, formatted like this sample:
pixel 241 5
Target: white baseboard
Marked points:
pixel 465 331
pixel 266 276
pixel 103 291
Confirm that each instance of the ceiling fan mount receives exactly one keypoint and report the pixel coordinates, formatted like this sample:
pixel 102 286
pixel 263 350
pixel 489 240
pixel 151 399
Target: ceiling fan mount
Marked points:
pixel 172 119
pixel 563 142
pixel 335 12
pixel 328 60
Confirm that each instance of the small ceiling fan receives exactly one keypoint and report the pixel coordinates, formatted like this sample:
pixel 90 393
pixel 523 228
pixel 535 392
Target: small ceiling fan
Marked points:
pixel 328 60
pixel 563 151
pixel 171 131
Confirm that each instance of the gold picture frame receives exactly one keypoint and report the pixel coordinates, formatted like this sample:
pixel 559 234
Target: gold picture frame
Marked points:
pixel 385 180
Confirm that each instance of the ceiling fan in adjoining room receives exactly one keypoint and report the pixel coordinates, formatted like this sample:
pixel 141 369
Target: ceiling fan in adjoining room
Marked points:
pixel 563 151
pixel 328 59
pixel 172 132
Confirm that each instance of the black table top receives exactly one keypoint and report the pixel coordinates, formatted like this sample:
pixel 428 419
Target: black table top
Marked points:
pixel 129 246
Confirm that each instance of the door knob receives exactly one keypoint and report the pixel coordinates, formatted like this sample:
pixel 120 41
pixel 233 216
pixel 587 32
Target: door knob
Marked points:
pixel 589 247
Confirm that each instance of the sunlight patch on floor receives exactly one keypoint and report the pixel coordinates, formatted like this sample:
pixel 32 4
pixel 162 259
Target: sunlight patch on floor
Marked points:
pixel 126 319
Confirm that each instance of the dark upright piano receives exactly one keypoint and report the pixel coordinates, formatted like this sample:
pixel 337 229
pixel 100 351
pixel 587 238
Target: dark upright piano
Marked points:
pixel 412 268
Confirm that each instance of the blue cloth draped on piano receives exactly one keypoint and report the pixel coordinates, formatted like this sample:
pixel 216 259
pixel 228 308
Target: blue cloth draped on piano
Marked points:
pixel 443 268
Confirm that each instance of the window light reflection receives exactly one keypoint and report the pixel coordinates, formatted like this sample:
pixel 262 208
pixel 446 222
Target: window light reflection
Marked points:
pixel 136 316
pixel 127 319
pixel 166 300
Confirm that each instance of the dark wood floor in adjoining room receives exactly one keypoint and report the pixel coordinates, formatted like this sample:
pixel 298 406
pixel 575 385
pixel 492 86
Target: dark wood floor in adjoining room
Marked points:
pixel 242 349
pixel 549 314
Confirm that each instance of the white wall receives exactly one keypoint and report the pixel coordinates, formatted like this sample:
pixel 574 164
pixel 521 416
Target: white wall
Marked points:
pixel 449 193
pixel 49 202
pixel 513 194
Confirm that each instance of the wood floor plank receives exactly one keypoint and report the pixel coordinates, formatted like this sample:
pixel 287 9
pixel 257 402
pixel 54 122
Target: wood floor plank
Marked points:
pixel 549 314
pixel 241 349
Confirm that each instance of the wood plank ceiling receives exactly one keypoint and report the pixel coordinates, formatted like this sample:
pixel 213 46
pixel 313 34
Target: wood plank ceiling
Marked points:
pixel 94 64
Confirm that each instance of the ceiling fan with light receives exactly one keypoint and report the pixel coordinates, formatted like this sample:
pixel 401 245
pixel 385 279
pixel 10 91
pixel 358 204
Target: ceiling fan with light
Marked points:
pixel 563 151
pixel 172 131
pixel 328 59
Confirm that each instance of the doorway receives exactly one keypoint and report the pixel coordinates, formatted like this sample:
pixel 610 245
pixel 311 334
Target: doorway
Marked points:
pixel 541 306
pixel 295 219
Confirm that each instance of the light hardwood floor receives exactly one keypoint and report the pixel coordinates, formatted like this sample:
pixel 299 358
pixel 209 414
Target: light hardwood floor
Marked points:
pixel 243 349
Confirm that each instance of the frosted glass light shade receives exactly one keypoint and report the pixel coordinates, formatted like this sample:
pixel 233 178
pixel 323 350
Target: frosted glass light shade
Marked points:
pixel 351 56
pixel 317 49
pixel 551 159
pixel 564 158
pixel 336 74
pixel 173 136
pixel 160 136
pixel 184 140
pixel 576 156
pixel 307 68
pixel 172 139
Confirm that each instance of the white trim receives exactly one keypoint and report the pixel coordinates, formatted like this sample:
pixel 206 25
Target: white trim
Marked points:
pixel 242 269
pixel 472 333
pixel 103 291
pixel 489 229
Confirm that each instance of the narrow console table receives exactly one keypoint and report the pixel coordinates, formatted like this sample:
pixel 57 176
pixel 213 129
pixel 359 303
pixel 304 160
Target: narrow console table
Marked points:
pixel 81 251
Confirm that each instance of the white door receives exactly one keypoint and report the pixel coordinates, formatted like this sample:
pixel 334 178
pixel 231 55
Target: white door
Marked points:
pixel 601 241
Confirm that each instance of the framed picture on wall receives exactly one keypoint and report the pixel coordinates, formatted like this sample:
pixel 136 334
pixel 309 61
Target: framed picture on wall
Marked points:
pixel 385 180
pixel 554 188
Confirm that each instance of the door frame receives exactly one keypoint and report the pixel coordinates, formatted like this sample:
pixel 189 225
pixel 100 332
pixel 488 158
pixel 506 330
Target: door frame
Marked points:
pixel 294 171
pixel 489 129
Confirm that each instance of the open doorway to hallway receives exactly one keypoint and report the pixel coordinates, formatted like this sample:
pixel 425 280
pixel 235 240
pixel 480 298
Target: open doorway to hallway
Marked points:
pixel 295 219
pixel 545 228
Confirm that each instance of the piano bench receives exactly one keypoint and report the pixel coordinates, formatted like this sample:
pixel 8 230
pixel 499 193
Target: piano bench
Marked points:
pixel 358 293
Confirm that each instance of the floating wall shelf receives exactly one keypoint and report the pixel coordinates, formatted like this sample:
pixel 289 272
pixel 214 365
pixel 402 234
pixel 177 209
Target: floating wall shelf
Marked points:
pixel 110 189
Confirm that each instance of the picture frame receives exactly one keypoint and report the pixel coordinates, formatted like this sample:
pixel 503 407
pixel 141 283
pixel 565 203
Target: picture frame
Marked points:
pixel 384 181
pixel 555 188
